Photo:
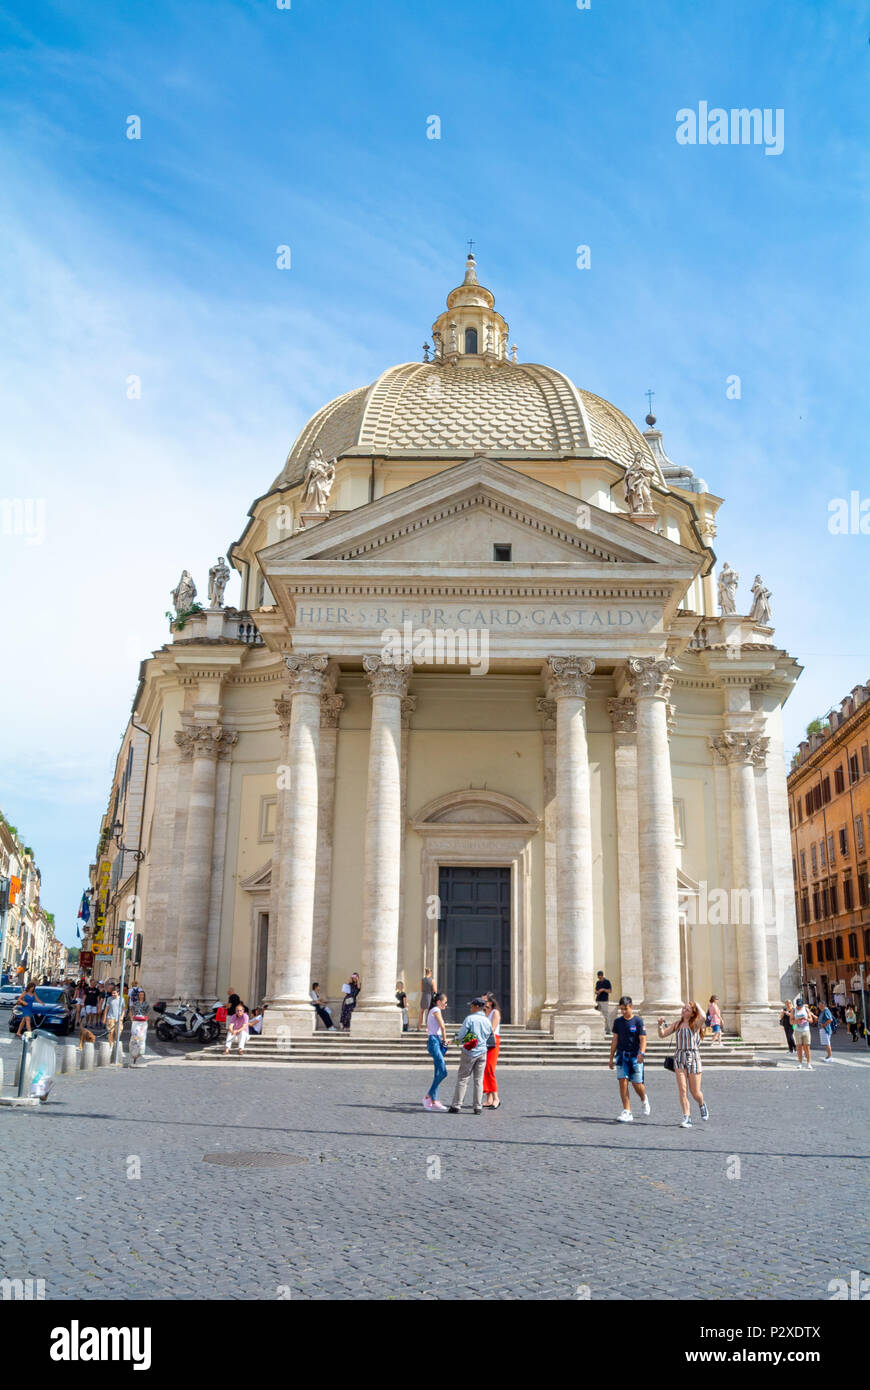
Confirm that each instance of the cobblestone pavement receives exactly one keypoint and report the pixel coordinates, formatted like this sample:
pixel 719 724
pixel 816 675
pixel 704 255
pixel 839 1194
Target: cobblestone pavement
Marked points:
pixel 548 1198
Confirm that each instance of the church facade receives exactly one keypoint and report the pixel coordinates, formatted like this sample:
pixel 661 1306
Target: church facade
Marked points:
pixel 477 711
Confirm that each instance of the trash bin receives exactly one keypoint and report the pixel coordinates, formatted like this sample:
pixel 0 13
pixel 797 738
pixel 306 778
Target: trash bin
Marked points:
pixel 138 1034
pixel 43 1064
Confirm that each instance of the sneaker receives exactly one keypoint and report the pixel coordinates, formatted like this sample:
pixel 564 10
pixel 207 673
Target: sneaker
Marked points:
pixel 427 1103
pixel 809 1066
pixel 645 1108
pixel 626 1117
pixel 436 1105
pixel 454 1109
pixel 686 1122
pixel 478 1110
pixel 705 1113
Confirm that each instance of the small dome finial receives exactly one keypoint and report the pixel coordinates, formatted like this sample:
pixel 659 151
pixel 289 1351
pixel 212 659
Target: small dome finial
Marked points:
pixel 650 419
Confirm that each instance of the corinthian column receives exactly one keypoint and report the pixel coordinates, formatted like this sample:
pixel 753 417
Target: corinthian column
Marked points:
pixel 288 1005
pixel 623 717
pixel 376 1015
pixel 331 706
pixel 203 744
pixel 743 752
pixel 651 681
pixel 567 680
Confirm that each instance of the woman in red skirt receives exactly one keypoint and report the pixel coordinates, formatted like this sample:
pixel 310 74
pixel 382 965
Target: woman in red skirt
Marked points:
pixel 490 1085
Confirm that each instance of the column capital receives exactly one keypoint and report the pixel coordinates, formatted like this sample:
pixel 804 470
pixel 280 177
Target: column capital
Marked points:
pixel 547 710
pixel 206 741
pixel 387 677
pixel 651 677
pixel 568 676
pixel 409 704
pixel 306 672
pixel 623 716
pixel 740 748
pixel 330 710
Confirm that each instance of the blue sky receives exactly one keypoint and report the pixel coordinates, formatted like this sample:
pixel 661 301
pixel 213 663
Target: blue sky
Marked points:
pixel 307 127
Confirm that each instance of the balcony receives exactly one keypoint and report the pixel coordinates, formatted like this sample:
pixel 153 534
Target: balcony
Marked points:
pixel 219 625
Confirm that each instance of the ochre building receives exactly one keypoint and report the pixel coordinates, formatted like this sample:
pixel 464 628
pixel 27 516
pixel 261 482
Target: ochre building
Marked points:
pixel 476 711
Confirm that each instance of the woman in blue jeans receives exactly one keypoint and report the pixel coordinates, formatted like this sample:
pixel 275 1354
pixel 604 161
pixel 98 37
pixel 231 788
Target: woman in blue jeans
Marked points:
pixel 436 1042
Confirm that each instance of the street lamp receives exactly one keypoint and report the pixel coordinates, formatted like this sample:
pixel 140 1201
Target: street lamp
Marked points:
pixel 138 855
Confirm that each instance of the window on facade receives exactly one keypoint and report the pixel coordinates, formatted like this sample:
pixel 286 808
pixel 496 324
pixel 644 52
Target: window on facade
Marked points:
pixel 830 849
pixel 844 842
pixel 817 911
pixel 501 552
pixel 865 758
pixel 825 903
pixel 803 864
pixel 853 945
pixel 826 790
pixel 853 768
pixel 814 859
pixel 800 810
pixel 835 906
pixel 839 948
pixel 805 910
pixel 859 833
pixel 829 948
pixel 820 952
pixel 867 941
pixel 848 895
pixel 790 817
pixel 839 780
pixel 471 340
pixel 863 895
pixel 822 853
pixel 808 952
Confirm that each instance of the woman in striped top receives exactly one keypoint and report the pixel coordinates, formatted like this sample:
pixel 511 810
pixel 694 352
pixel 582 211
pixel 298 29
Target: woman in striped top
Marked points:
pixel 687 1058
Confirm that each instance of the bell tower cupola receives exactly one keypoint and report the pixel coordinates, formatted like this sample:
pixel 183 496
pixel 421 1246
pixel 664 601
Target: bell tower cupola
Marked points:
pixel 469 332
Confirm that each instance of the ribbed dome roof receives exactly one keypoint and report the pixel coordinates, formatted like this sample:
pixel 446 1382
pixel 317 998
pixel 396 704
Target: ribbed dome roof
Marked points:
pixel 432 410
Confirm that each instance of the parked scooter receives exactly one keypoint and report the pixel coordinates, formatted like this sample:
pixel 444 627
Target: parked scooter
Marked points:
pixel 184 1022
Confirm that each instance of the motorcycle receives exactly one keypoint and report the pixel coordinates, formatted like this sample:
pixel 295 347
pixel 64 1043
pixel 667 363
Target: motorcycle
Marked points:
pixel 184 1022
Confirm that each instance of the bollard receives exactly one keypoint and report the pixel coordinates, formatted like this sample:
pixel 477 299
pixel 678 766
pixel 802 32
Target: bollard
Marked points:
pixel 104 1053
pixel 68 1059
pixel 87 1056
pixel 24 1066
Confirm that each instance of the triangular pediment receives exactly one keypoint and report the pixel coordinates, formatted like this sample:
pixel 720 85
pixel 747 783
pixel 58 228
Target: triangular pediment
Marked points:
pixel 459 515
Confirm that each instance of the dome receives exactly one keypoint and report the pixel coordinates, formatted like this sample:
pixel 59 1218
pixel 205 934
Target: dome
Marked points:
pixel 472 398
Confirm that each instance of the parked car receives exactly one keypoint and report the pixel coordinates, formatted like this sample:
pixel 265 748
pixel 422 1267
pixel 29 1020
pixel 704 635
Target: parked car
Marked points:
pixel 9 993
pixel 52 1011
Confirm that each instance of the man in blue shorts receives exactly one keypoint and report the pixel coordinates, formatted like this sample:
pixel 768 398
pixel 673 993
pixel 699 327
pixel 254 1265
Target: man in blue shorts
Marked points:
pixel 627 1047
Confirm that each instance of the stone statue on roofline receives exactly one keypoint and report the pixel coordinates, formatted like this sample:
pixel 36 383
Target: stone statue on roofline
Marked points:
pixel 760 611
pixel 319 478
pixel 184 593
pixel 728 581
pixel 638 480
pixel 218 578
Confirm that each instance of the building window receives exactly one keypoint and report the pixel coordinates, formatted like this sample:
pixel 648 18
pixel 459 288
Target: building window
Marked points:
pixel 865 758
pixel 853 768
pixel 803 864
pixel 817 910
pixel 839 948
pixel 853 945
pixel 848 895
pixel 844 842
pixel 839 780
pixel 808 952
pixel 501 552
pixel 826 790
pixel 835 907
pixel 814 859
pixel 471 340
pixel 867 941
pixel 830 849
pixel 820 952
pixel 829 948
pixel 822 853
pixel 805 910
pixel 863 895
pixel 800 809
pixel 859 833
